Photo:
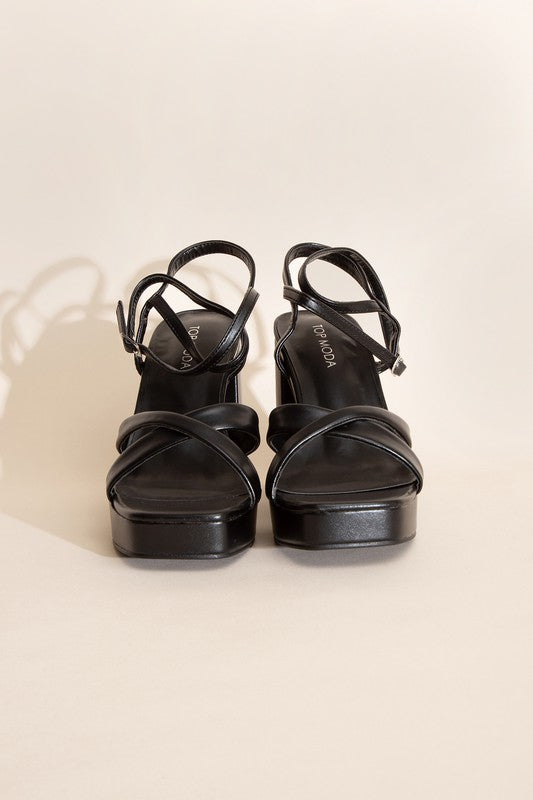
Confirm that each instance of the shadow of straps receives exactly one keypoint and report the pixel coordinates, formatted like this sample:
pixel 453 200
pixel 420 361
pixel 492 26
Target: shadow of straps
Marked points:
pixel 57 427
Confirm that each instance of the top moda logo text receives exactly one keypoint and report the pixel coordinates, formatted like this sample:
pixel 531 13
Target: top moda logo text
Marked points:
pixel 327 351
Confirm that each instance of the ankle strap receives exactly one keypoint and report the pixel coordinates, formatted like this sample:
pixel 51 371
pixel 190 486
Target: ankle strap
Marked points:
pixel 335 311
pixel 235 334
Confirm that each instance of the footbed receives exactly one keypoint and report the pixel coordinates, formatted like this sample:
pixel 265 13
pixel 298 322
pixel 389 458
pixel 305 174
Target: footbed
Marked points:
pixel 189 477
pixel 330 370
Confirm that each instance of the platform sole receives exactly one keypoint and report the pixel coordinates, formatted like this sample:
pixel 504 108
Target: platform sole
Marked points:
pixel 328 530
pixel 188 540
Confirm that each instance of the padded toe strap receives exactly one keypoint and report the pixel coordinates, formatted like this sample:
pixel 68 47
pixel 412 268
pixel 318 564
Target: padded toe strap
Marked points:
pixel 290 418
pixel 165 429
pixel 376 427
pixel 238 421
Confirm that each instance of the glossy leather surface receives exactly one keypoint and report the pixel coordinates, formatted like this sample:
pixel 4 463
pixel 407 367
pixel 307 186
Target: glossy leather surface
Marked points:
pixel 183 485
pixel 339 450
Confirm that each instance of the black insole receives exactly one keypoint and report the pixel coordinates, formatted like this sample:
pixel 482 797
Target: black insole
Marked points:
pixel 161 390
pixel 328 368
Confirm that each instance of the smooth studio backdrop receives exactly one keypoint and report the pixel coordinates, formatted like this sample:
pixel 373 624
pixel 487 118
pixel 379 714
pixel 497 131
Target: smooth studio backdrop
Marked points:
pixel 130 130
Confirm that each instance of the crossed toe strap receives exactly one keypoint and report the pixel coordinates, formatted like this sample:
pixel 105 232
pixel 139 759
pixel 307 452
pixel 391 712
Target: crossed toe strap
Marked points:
pixel 294 425
pixel 229 429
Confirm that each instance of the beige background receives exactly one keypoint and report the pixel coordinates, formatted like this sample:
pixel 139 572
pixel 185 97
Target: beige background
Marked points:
pixel 130 130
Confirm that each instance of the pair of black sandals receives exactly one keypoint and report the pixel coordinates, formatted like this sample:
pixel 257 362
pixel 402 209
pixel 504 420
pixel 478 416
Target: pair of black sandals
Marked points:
pixel 343 474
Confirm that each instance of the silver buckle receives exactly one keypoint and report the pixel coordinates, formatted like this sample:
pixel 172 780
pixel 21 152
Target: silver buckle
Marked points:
pixel 131 346
pixel 399 366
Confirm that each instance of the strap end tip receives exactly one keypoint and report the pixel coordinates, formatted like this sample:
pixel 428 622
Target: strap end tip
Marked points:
pixel 399 366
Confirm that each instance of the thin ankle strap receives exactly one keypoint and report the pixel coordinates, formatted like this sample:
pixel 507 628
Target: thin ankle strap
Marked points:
pixel 234 334
pixel 335 311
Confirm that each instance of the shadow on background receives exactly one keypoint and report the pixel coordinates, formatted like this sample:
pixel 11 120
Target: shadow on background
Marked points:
pixel 66 393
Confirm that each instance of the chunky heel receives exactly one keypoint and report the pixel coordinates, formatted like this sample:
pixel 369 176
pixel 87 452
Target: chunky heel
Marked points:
pixel 344 473
pixel 183 485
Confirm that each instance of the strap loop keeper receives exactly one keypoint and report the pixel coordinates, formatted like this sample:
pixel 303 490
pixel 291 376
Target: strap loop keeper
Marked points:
pixel 130 345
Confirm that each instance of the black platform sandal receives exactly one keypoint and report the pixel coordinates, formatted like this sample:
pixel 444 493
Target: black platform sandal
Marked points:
pixel 344 474
pixel 183 486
